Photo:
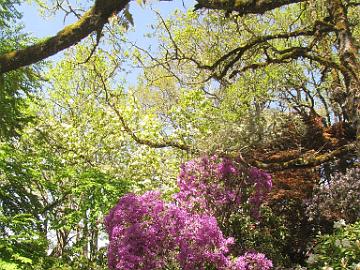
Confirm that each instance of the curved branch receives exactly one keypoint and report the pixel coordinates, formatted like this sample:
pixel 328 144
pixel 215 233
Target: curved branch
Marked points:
pixel 286 56
pixel 147 142
pixel 245 6
pixel 308 159
pixel 153 144
pixel 96 17
pixel 92 20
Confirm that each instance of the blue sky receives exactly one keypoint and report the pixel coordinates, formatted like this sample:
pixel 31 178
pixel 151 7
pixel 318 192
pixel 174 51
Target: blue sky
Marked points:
pixel 143 17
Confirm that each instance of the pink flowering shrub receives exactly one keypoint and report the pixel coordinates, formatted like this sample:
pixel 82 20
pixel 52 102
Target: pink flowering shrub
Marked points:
pixel 217 185
pixel 208 184
pixel 263 183
pixel 147 233
pixel 251 261
pixel 137 239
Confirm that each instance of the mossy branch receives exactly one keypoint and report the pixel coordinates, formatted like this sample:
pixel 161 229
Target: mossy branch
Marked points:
pixel 92 20
pixel 307 160
pixel 245 6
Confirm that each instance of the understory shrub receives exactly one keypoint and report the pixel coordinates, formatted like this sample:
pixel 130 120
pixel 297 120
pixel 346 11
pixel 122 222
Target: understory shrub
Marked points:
pixel 145 232
pixel 339 250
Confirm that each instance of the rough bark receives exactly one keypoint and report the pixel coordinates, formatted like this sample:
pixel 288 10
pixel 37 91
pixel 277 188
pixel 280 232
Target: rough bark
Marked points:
pixel 349 58
pixel 307 160
pixel 245 6
pixel 92 20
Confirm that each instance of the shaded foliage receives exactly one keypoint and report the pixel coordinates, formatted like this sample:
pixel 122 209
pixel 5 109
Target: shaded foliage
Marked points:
pixel 337 198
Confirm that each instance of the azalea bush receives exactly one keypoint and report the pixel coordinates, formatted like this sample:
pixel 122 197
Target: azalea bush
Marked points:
pixel 220 186
pixel 145 232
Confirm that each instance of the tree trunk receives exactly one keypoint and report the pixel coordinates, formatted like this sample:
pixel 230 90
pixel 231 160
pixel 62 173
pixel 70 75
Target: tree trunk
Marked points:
pixel 349 57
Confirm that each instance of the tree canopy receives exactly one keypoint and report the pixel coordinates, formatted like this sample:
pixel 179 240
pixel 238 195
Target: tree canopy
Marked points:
pixel 245 119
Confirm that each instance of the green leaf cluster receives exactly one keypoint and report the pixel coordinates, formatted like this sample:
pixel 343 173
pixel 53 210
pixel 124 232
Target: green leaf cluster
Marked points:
pixel 339 250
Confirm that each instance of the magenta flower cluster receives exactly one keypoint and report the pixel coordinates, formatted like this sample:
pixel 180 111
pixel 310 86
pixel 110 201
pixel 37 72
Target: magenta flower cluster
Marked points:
pixel 216 185
pixel 251 261
pixel 208 185
pixel 262 186
pixel 147 233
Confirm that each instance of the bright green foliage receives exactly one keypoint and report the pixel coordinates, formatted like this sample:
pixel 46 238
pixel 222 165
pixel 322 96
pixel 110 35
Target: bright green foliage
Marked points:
pixel 340 250
pixel 15 87
pixel 9 13
pixel 23 237
pixel 14 102
pixel 246 98
pixel 72 164
pixel 224 113
pixel 82 116
pixel 50 205
pixel 268 235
